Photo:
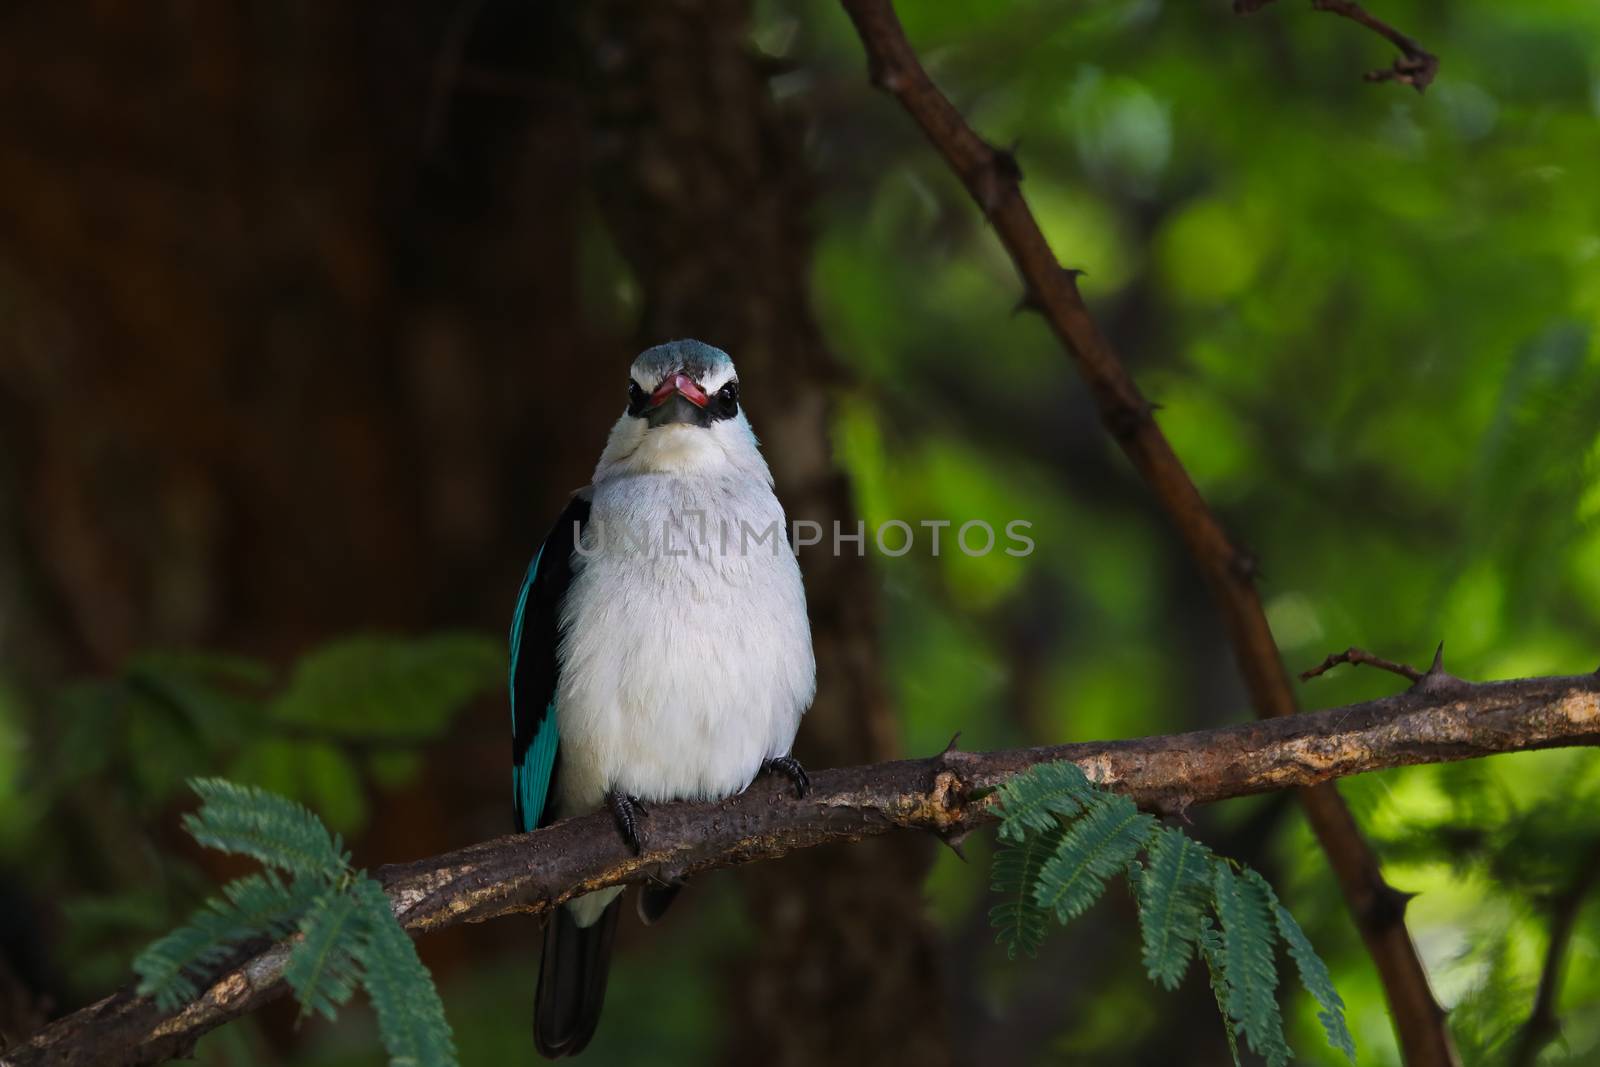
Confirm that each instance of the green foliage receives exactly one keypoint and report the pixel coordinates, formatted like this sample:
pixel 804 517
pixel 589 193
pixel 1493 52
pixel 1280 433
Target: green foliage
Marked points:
pixel 372 686
pixel 1496 843
pixel 322 968
pixel 1248 967
pixel 1070 838
pixel 1097 846
pixel 1318 982
pixel 271 829
pixel 1444 438
pixel 257 905
pixel 95 760
pixel 1021 922
pixel 1534 457
pixel 410 1014
pixel 1172 899
pixel 1030 803
pixel 347 934
pixel 1210 942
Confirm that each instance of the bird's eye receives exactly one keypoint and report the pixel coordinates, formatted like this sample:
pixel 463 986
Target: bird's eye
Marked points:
pixel 636 397
pixel 727 405
pixel 729 392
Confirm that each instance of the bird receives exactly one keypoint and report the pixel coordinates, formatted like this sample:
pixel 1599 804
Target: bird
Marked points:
pixel 660 648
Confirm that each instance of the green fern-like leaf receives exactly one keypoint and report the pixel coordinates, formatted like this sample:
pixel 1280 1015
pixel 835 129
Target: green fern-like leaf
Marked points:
pixel 265 826
pixel 1068 837
pixel 1098 845
pixel 410 1015
pixel 1033 801
pixel 1249 935
pixel 1210 942
pixel 258 905
pixel 1173 891
pixel 322 968
pixel 1314 976
pixel 1019 921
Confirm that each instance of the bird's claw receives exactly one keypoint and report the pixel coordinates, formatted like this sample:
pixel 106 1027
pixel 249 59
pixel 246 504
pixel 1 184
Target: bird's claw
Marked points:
pixel 790 768
pixel 628 810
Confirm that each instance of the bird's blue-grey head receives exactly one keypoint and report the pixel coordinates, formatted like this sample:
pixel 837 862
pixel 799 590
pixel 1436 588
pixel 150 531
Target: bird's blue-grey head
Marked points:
pixel 683 417
pixel 683 383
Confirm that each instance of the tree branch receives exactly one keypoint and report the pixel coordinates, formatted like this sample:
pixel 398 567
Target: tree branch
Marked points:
pixel 948 794
pixel 992 177
pixel 1416 66
pixel 1354 656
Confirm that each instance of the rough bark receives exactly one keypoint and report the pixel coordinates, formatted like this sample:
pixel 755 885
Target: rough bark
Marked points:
pixel 949 794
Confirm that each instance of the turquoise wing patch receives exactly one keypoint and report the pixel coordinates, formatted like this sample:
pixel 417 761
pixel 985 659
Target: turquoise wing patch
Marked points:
pixel 532 673
pixel 530 781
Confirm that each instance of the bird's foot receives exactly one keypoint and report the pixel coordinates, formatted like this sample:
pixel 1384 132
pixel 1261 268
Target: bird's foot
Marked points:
pixel 628 810
pixel 790 768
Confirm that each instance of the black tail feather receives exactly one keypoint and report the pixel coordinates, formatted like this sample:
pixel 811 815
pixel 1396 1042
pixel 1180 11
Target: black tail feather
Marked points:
pixel 572 981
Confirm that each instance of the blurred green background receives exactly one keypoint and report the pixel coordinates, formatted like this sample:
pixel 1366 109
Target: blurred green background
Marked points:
pixel 310 319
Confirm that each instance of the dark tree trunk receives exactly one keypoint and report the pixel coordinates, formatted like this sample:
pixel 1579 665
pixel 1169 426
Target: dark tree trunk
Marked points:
pixel 284 285
pixel 281 284
pixel 704 185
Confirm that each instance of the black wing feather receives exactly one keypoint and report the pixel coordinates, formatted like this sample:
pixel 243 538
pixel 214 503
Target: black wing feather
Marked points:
pixel 534 669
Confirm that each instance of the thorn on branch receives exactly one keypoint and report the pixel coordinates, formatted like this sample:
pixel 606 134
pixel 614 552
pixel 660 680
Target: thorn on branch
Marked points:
pixel 881 76
pixel 1246 566
pixel 1028 302
pixel 1437 681
pixel 768 66
pixel 1388 907
pixel 954 839
pixel 1176 807
pixel 1005 162
pixel 1126 420
pixel 1355 656
pixel 994 182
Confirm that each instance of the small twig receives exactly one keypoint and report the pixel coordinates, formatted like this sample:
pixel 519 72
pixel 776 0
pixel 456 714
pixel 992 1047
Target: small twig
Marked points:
pixel 1434 681
pixel 1416 66
pixel 1353 656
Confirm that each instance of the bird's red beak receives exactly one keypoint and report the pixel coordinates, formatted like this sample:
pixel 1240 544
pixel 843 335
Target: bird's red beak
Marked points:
pixel 681 384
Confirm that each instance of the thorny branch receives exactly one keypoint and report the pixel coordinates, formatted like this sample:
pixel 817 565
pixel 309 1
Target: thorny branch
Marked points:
pixel 993 178
pixel 1415 67
pixel 949 794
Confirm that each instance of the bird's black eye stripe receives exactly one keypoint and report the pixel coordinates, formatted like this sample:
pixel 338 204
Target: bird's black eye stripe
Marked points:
pixel 636 398
pixel 725 405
